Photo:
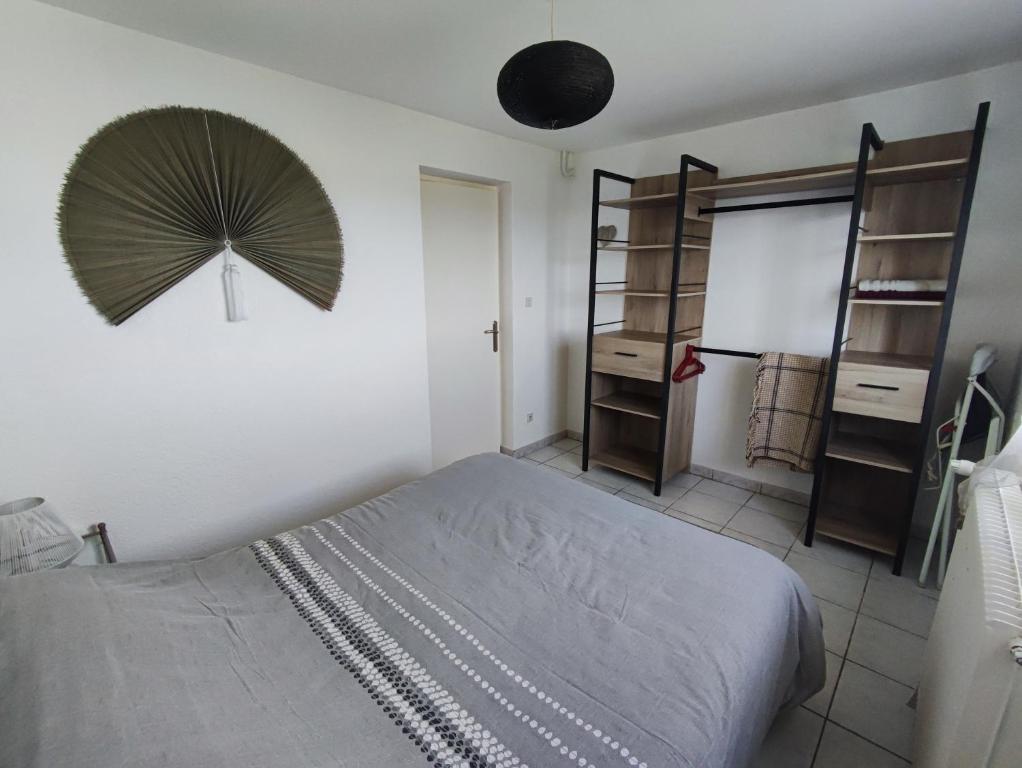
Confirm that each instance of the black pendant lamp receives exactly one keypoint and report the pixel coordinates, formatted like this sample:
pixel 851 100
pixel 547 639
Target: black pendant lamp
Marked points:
pixel 556 84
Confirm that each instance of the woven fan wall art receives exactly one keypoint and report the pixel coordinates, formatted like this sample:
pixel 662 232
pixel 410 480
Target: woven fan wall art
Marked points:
pixel 156 194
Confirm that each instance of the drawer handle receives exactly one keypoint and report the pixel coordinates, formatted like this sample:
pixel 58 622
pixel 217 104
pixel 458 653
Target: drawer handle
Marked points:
pixel 627 354
pixel 878 386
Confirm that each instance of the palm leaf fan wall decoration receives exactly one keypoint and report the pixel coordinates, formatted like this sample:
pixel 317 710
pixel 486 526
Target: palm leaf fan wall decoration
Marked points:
pixel 153 196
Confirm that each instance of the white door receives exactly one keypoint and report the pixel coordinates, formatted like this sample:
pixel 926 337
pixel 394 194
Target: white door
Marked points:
pixel 460 242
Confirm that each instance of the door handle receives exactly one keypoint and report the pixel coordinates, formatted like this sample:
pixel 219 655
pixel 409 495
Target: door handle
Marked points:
pixel 495 333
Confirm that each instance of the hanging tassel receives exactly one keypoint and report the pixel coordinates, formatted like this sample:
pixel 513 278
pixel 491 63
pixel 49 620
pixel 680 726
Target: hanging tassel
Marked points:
pixel 232 287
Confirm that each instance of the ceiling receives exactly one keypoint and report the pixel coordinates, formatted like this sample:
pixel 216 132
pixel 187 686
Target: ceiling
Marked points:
pixel 679 65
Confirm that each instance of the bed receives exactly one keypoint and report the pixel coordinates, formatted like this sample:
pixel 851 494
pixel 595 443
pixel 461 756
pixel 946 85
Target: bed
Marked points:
pixel 490 614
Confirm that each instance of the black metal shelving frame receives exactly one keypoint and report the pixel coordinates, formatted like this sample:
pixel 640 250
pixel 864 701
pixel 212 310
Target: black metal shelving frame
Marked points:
pixel 870 140
pixel 598 176
pixel 686 162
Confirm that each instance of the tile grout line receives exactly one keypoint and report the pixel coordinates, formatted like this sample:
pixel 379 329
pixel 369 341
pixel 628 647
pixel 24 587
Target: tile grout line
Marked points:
pixel 881 674
pixel 841 669
pixel 879 621
pixel 868 741
pixel 895 626
pixel 743 505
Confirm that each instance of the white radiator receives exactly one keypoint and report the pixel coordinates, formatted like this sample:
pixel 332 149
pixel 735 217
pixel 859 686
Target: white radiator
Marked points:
pixel 970 696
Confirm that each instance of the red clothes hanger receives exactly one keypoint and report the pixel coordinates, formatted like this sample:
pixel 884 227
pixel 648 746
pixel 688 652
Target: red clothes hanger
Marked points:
pixel 689 361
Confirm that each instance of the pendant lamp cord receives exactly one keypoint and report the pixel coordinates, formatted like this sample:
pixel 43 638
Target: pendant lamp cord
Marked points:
pixel 232 275
pixel 551 19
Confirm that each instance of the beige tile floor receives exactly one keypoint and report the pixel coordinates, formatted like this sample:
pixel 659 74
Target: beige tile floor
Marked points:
pixel 874 623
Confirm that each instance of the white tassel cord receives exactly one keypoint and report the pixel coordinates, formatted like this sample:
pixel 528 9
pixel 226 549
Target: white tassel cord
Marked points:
pixel 233 291
pixel 232 277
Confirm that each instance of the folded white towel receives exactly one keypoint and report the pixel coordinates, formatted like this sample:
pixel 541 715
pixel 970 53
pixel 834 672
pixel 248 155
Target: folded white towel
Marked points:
pixel 908 286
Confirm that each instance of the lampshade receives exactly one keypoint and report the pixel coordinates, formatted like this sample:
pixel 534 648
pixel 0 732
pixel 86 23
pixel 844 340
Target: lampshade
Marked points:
pixel 33 537
pixel 555 84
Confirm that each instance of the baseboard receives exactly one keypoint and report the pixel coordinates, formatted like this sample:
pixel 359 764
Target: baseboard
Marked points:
pixel 756 486
pixel 517 453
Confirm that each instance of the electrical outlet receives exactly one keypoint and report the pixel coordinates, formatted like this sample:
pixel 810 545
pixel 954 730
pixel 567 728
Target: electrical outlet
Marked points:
pixel 528 418
pixel 528 301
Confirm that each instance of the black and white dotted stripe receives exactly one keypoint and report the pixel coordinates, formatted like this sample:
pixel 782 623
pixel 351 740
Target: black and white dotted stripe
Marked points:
pixel 553 740
pixel 447 735
pixel 627 755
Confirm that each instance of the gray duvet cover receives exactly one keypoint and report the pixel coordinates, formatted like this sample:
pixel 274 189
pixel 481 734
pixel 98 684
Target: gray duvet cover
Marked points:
pixel 490 614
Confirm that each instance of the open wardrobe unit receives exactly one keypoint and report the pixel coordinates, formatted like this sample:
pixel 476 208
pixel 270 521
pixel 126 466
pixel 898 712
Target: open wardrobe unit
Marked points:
pixel 906 236
pixel 910 203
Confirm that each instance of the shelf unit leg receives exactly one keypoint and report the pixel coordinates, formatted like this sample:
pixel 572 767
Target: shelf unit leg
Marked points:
pixel 597 175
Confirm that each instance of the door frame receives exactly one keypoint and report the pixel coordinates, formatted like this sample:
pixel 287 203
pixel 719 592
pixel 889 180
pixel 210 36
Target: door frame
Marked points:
pixel 504 297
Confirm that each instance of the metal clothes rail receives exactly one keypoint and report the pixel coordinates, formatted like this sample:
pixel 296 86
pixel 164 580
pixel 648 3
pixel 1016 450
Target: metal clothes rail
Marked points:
pixel 779 204
pixel 728 352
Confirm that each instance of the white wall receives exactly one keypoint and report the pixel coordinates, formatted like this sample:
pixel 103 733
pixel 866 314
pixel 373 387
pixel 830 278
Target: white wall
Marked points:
pixel 775 276
pixel 183 432
pixel 782 269
pixel 187 434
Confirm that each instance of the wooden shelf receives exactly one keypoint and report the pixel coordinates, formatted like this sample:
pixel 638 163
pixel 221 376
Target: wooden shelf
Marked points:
pixel 669 247
pixel 663 200
pixel 630 402
pixel 648 294
pixel 936 170
pixel 887 359
pixel 767 184
pixel 829 177
pixel 907 238
pixel 666 200
pixel 625 458
pixel 898 302
pixel 872 451
pixel 871 529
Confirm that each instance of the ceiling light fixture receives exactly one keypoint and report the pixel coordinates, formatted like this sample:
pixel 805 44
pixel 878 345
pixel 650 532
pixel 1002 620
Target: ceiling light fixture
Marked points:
pixel 556 84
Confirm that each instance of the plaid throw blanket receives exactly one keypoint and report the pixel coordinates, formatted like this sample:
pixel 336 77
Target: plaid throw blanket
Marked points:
pixel 787 406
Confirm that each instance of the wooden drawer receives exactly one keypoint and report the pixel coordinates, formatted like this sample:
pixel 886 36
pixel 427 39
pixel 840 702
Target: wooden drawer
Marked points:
pixel 882 391
pixel 613 353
